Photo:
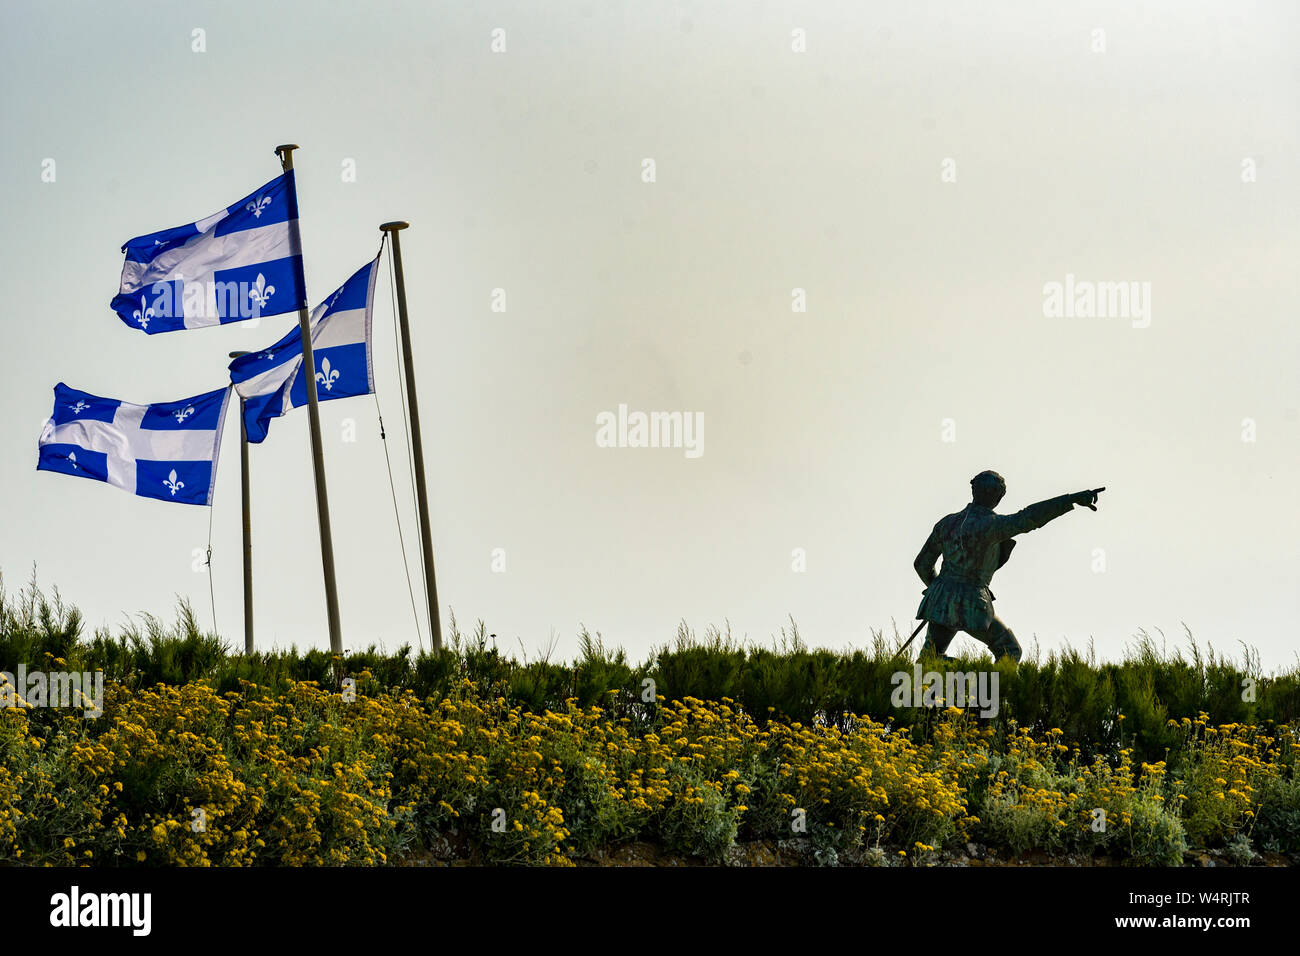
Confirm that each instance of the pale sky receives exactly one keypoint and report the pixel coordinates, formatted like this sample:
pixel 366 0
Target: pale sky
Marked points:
pixel 1117 156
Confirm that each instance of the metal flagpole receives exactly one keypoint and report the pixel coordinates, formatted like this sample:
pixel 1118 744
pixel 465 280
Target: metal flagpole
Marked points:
pixel 248 524
pixel 285 153
pixel 417 447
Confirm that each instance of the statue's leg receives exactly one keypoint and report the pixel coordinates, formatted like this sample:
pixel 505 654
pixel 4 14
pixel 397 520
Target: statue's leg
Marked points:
pixel 1001 642
pixel 937 638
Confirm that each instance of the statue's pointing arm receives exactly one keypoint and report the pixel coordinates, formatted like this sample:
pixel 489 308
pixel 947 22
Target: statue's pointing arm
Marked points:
pixel 1032 517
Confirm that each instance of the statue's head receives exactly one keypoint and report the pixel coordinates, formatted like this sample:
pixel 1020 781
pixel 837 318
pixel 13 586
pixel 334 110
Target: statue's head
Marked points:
pixel 987 488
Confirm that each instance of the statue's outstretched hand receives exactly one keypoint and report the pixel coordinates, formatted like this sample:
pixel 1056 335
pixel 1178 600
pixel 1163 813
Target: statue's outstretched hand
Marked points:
pixel 1086 498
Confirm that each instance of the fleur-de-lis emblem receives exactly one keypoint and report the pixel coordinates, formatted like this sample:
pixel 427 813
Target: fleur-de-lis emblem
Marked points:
pixel 268 355
pixel 78 408
pixel 183 413
pixel 142 316
pixel 334 298
pixel 261 292
pixel 72 457
pixel 257 205
pixel 327 376
pixel 172 484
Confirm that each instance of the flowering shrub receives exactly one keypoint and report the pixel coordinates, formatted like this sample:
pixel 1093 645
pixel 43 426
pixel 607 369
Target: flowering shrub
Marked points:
pixel 182 775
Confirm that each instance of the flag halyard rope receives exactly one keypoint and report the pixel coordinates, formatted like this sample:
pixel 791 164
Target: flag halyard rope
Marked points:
pixel 410 464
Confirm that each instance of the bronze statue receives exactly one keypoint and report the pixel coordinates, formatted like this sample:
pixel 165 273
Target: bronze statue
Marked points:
pixel 974 543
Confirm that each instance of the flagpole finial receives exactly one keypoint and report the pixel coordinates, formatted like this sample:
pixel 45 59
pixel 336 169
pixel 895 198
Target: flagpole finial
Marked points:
pixel 284 153
pixel 394 226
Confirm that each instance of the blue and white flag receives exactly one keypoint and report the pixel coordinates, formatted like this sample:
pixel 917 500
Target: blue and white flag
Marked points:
pixel 167 450
pixel 242 262
pixel 273 381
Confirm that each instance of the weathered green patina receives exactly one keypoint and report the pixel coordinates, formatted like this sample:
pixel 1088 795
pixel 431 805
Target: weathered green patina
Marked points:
pixel 974 543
